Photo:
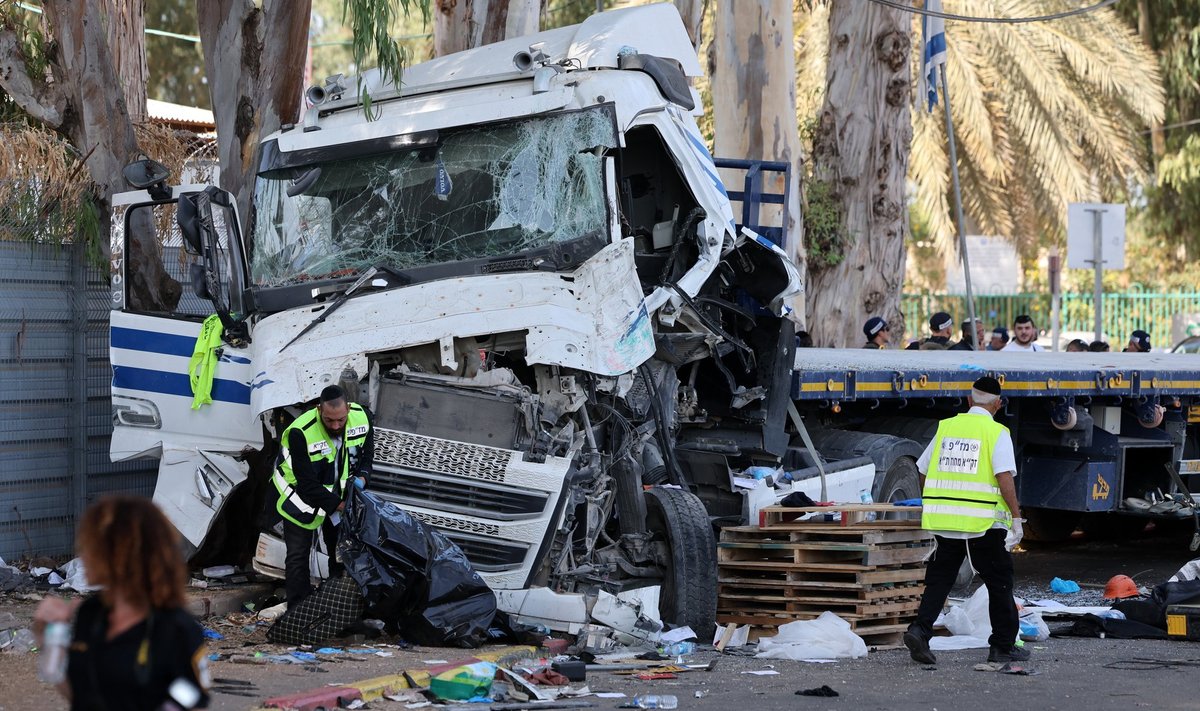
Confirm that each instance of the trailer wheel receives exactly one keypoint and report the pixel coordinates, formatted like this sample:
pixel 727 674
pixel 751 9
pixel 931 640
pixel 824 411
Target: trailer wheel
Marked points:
pixel 1049 525
pixel 689 590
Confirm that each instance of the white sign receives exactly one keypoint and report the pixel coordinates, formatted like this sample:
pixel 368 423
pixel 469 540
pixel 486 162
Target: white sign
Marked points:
pixel 1081 227
pixel 995 267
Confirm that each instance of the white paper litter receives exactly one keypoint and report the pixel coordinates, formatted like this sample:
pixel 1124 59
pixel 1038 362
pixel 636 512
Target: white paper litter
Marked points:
pixel 610 695
pixel 761 672
pixel 434 661
pixel 958 641
pixel 739 638
pixel 677 635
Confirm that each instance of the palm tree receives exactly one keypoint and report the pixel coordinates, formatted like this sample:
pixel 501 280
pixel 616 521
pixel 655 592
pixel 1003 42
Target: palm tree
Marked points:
pixel 1045 114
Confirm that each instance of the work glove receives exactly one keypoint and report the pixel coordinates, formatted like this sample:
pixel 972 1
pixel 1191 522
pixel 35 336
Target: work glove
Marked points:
pixel 1015 533
pixel 360 482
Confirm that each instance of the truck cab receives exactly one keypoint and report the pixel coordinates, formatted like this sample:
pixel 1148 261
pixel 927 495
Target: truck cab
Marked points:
pixel 523 261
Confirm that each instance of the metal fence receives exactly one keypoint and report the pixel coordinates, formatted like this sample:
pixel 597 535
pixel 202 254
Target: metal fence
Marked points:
pixel 55 415
pixel 1164 315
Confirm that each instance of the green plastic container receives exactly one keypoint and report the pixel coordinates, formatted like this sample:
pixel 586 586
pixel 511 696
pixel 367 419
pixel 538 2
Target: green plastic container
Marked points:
pixel 465 682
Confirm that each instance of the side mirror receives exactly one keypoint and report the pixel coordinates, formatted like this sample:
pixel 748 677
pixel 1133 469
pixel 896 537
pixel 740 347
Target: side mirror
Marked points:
pixel 199 275
pixel 187 215
pixel 149 175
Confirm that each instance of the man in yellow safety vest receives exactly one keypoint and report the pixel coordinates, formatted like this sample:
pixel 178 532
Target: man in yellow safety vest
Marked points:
pixel 968 499
pixel 318 454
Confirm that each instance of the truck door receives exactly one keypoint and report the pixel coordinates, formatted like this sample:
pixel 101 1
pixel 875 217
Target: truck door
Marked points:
pixel 161 281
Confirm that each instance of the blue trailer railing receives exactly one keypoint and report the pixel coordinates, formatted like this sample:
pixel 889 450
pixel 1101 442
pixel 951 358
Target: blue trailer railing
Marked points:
pixel 754 195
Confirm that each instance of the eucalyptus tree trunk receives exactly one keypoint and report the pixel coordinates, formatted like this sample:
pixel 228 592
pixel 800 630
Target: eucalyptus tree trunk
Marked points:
pixel 81 98
pixel 860 160
pixel 692 13
pixel 752 72
pixel 127 44
pixel 254 61
pixel 465 24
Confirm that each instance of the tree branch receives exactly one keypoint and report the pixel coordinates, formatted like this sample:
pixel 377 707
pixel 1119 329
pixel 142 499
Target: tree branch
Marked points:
pixel 42 102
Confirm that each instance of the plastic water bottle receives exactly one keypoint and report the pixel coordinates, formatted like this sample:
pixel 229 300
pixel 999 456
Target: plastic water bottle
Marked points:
pixel 52 662
pixel 655 701
pixel 219 571
pixel 865 497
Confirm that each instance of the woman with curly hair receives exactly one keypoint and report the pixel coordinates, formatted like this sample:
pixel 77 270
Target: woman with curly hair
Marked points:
pixel 133 645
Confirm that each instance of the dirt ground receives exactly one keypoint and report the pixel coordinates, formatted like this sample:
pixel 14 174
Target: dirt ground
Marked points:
pixel 1072 673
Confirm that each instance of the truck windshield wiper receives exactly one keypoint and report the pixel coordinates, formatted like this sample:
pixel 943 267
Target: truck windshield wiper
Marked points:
pixel 335 305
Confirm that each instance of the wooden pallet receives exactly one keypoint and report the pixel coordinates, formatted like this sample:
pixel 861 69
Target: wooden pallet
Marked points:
pixel 869 573
pixel 887 516
pixel 884 631
pixel 728 587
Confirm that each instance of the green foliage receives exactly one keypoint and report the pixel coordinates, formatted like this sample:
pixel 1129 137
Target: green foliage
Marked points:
pixel 34 50
pixel 824 234
pixel 370 24
pixel 175 65
pixel 1167 211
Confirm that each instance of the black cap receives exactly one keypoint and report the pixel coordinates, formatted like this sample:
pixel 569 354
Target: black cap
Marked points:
pixel 940 321
pixel 873 326
pixel 332 393
pixel 1142 339
pixel 988 385
pixel 1002 332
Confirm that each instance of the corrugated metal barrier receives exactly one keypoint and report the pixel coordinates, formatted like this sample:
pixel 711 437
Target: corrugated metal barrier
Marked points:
pixel 55 415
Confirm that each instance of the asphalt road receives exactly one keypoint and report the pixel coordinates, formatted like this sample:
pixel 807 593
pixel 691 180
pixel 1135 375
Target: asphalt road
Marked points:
pixel 1071 673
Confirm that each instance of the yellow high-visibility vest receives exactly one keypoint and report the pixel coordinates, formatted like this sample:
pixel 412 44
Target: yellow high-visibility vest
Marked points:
pixel 961 492
pixel 332 466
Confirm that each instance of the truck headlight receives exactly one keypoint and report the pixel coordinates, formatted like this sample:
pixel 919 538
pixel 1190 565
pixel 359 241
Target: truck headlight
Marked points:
pixel 135 412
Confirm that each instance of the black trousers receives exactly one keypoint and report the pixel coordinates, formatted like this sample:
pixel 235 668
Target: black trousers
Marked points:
pixel 994 565
pixel 299 542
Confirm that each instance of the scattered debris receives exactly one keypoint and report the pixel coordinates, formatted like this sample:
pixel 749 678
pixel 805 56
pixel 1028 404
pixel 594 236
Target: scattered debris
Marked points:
pixel 827 637
pixel 823 690
pixel 1064 587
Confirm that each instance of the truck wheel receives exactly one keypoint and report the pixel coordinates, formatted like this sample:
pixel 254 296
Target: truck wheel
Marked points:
pixel 1049 525
pixel 689 590
pixel 902 481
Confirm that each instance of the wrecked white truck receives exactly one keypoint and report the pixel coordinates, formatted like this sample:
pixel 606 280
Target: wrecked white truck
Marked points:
pixel 525 264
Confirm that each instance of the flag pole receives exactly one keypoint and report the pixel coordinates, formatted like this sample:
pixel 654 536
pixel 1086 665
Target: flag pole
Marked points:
pixel 958 210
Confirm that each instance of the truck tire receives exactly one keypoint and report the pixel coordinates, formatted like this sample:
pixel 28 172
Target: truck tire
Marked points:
pixel 1049 525
pixel 689 590
pixel 885 450
pixel 902 481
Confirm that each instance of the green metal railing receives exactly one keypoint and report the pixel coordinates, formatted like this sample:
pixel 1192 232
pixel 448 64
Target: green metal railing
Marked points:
pixel 1150 311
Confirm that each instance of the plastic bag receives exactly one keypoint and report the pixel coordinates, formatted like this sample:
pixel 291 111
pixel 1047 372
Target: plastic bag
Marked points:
pixel 412 575
pixel 827 637
pixel 1033 627
pixel 76 576
pixel 971 618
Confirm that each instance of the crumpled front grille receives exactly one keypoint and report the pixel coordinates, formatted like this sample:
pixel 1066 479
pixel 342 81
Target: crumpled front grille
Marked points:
pixel 461 496
pixel 413 451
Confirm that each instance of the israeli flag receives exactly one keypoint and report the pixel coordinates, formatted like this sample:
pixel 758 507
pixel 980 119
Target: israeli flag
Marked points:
pixel 933 32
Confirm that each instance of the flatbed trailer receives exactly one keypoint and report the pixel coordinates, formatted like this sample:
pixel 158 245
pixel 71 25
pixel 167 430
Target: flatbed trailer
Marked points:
pixel 1096 434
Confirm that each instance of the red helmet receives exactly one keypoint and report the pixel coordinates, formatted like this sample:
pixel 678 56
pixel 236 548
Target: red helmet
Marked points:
pixel 1120 586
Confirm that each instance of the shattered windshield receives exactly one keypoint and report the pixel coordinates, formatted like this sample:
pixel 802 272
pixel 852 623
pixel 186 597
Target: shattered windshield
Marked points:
pixel 481 191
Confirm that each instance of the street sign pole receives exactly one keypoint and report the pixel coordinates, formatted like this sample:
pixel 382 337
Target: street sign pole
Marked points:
pixel 1098 262
pixel 1055 268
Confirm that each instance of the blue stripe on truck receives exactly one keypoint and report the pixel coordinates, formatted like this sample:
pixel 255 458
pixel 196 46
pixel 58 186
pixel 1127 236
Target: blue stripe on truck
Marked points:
pixel 158 381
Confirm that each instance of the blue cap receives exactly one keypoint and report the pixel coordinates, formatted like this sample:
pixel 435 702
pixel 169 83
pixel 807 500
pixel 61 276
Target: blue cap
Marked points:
pixel 873 326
